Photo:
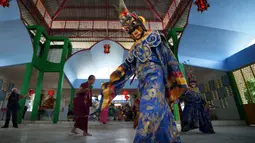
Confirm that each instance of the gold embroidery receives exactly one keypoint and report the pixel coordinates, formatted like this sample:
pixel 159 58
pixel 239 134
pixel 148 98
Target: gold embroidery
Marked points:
pixel 152 93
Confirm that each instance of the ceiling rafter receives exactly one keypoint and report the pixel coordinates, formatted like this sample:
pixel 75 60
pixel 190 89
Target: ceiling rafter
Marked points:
pixel 177 13
pixel 87 20
pixel 101 7
pixel 67 25
pixel 98 40
pixel 153 9
pixel 57 1
pixel 85 30
pixel 59 9
pixel 107 16
pixel 35 13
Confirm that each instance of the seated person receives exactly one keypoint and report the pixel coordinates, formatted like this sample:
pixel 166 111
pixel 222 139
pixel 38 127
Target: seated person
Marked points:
pixel 49 103
pixel 70 113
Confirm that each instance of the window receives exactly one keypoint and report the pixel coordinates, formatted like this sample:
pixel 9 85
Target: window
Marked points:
pixel 245 80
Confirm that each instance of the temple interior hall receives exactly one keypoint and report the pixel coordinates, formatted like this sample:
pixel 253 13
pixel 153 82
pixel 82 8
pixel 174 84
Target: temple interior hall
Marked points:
pixel 50 48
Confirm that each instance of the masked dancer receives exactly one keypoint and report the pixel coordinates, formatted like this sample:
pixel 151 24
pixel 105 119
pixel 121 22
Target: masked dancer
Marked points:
pixel 158 72
pixel 196 110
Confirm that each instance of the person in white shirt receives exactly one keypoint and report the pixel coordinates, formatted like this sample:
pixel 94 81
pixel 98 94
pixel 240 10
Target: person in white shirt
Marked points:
pixel 27 106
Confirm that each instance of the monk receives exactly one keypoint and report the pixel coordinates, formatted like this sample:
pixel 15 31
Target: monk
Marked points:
pixel 82 102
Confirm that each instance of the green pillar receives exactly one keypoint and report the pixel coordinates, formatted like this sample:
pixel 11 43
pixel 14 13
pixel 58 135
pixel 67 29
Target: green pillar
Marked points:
pixel 176 106
pixel 237 97
pixel 69 50
pixel 172 33
pixel 182 68
pixel 60 82
pixel 24 89
pixel 176 112
pixel 36 42
pixel 58 99
pixel 40 62
pixel 71 98
pixel 37 96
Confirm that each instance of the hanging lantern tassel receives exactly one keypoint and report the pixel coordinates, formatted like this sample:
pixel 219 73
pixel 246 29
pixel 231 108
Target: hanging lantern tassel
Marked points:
pixel 202 5
pixel 107 48
pixel 5 3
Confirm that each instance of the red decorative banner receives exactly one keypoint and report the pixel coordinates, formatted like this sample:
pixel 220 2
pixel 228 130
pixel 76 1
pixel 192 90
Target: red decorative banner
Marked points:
pixel 107 48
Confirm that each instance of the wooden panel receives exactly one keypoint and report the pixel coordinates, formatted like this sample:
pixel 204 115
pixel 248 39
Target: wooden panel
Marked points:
pixel 249 110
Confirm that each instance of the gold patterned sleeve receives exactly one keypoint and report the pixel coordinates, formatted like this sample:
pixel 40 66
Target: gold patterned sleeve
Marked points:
pixel 117 81
pixel 176 81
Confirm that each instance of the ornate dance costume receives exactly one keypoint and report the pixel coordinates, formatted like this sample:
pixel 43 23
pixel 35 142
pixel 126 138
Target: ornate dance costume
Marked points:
pixel 158 73
pixel 195 114
pixel 196 110
pixel 154 63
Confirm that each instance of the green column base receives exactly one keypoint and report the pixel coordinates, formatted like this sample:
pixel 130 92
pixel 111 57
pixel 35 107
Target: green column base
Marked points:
pixel 59 95
pixel 37 98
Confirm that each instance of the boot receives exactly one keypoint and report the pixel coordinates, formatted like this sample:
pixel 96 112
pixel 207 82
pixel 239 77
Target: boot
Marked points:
pixel 15 125
pixel 6 125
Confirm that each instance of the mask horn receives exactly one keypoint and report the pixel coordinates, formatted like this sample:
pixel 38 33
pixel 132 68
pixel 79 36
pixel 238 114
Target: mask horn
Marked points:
pixel 122 7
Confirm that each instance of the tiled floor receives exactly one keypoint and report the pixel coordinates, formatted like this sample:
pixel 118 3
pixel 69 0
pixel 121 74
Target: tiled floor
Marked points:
pixel 115 132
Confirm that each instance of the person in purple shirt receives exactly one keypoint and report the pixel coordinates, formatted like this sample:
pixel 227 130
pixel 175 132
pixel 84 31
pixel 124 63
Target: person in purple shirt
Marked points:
pixel 82 103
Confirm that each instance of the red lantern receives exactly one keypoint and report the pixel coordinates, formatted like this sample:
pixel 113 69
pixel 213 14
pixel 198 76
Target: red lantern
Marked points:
pixel 202 5
pixel 5 3
pixel 51 92
pixel 31 92
pixel 107 48
pixel 125 93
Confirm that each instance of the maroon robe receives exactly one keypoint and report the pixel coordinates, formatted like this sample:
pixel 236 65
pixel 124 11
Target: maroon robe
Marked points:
pixel 82 102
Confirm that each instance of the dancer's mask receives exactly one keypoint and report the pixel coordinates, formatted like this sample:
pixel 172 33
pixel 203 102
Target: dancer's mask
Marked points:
pixel 133 24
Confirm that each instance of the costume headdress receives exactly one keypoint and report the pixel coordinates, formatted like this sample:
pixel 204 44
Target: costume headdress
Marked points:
pixel 126 17
pixel 191 77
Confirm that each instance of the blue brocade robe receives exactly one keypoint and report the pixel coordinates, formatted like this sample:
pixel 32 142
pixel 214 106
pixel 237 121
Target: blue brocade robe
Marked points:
pixel 195 114
pixel 158 72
